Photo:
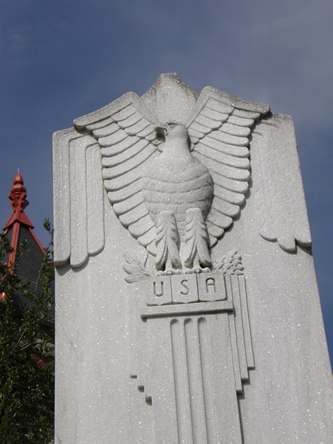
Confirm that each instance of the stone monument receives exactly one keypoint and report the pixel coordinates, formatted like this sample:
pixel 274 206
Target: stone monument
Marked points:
pixel 187 309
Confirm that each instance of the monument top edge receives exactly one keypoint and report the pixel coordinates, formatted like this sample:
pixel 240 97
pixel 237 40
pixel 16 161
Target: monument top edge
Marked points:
pixel 168 87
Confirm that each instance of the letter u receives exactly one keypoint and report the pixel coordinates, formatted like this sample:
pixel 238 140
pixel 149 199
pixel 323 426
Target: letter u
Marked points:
pixel 157 293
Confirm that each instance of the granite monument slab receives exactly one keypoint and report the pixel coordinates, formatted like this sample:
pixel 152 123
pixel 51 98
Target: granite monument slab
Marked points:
pixel 187 309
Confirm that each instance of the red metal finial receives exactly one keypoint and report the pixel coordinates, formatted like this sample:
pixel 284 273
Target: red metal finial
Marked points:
pixel 18 193
pixel 18 218
pixel 18 197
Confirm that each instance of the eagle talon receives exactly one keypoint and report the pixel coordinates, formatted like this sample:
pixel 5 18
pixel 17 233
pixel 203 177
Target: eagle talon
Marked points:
pixel 169 272
pixel 193 270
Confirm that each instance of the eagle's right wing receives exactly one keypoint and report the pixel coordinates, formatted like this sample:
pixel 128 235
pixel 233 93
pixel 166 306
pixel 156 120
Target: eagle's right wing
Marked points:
pixel 128 141
pixel 112 146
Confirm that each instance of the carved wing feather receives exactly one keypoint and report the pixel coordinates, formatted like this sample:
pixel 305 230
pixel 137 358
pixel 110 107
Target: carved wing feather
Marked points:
pixel 126 154
pixel 284 215
pixel 109 128
pixel 78 201
pixel 128 140
pixel 236 151
pixel 241 121
pixel 229 184
pixel 125 192
pixel 226 159
pixel 133 215
pixel 220 130
pixel 217 167
pixel 230 196
pixel 114 169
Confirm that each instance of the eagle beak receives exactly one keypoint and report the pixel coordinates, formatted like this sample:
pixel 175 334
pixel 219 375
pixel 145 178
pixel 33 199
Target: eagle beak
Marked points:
pixel 161 130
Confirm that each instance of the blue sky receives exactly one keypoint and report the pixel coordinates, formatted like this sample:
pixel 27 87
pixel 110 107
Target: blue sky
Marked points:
pixel 61 59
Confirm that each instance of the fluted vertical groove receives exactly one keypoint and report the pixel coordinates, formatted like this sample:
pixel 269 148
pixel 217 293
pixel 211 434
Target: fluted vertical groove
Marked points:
pixel 173 331
pixel 180 371
pixel 198 414
pixel 239 328
pixel 206 366
pixel 246 321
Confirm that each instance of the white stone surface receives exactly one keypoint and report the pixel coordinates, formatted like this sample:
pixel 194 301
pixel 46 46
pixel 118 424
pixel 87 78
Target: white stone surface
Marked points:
pixel 122 373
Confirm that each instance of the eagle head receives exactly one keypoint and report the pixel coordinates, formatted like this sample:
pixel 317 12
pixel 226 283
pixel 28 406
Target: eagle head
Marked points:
pixel 172 130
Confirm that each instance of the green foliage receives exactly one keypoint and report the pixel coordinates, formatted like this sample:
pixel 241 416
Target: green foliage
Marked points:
pixel 26 353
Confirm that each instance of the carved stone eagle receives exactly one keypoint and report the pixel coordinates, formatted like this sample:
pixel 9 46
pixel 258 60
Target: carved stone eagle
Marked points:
pixel 176 168
pixel 179 188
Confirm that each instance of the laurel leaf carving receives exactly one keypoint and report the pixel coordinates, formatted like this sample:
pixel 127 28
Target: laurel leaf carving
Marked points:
pixel 135 268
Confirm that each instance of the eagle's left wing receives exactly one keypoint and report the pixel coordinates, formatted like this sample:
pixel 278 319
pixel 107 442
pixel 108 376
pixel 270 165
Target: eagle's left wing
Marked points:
pixel 220 131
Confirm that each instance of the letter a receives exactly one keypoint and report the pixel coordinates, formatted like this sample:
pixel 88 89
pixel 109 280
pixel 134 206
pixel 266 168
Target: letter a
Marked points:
pixel 210 282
